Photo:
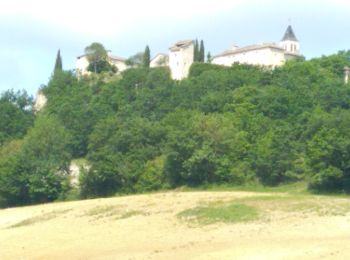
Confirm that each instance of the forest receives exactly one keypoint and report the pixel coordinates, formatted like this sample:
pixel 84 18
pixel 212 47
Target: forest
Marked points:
pixel 141 131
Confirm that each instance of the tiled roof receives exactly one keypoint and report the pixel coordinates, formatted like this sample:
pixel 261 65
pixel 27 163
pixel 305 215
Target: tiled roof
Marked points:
pixel 112 57
pixel 181 44
pixel 160 54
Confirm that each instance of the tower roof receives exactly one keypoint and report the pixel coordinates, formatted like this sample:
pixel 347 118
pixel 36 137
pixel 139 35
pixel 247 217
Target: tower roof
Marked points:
pixel 289 35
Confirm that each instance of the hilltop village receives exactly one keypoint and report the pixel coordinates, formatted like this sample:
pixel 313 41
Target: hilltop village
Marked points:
pixel 225 124
pixel 180 57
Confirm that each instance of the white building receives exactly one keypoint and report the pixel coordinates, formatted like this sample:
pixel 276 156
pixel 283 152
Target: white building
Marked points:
pixel 82 64
pixel 40 101
pixel 266 54
pixel 160 60
pixel 181 59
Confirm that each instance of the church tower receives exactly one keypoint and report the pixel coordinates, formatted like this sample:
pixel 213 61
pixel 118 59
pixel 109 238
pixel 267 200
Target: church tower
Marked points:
pixel 289 42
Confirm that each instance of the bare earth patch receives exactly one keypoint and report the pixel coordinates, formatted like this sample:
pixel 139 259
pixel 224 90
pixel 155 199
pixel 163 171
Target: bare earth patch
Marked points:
pixel 149 227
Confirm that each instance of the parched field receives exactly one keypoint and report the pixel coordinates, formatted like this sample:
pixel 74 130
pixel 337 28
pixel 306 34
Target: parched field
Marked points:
pixel 181 225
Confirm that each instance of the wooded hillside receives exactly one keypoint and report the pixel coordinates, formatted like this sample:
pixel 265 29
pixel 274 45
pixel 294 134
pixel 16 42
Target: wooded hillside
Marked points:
pixel 143 131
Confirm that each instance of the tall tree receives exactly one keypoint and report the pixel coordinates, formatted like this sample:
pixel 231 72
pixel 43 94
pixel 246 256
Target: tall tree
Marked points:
pixel 196 51
pixel 146 57
pixel 201 52
pixel 58 63
pixel 96 55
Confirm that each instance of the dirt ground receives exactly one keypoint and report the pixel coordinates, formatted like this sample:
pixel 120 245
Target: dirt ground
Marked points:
pixel 146 227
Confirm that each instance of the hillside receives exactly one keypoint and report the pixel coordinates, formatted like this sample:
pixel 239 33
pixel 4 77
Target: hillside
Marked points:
pixel 142 131
pixel 287 226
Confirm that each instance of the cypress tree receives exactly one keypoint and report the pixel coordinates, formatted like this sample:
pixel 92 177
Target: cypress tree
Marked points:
pixel 201 52
pixel 209 58
pixel 196 51
pixel 146 57
pixel 58 63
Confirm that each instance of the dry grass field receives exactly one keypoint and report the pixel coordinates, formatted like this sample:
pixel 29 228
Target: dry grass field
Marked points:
pixel 181 225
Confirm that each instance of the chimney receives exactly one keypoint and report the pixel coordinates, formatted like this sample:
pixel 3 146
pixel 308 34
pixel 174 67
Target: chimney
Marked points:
pixel 346 74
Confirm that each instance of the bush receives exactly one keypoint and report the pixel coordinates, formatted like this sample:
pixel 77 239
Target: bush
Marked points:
pixel 328 180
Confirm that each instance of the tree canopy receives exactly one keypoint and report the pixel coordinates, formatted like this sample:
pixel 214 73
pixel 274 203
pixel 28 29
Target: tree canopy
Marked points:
pixel 98 58
pixel 58 64
pixel 144 131
pixel 146 57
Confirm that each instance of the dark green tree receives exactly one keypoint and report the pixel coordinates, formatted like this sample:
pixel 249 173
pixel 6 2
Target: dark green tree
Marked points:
pixel 16 115
pixel 58 63
pixel 201 55
pixel 34 170
pixel 196 51
pixel 209 58
pixel 146 57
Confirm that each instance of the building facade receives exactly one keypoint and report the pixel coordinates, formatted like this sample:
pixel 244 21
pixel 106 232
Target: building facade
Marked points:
pixel 181 59
pixel 265 54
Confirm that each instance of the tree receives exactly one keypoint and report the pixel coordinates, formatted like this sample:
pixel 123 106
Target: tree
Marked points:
pixel 196 51
pixel 45 159
pixel 97 56
pixel 58 63
pixel 146 57
pixel 204 149
pixel 16 115
pixel 34 170
pixel 201 52
pixel 135 60
pixel 119 150
pixel 209 58
pixel 13 190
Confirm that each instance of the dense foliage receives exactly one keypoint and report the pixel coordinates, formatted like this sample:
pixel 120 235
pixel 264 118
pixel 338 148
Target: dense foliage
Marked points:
pixel 98 59
pixel 16 115
pixel 144 131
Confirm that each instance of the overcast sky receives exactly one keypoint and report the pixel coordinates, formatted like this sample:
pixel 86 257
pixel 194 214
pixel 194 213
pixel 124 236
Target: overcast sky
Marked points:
pixel 32 31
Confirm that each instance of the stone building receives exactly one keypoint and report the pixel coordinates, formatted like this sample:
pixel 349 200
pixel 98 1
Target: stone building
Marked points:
pixel 265 54
pixel 181 59
pixel 180 56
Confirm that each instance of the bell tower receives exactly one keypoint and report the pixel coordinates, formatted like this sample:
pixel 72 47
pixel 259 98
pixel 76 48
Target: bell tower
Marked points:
pixel 289 42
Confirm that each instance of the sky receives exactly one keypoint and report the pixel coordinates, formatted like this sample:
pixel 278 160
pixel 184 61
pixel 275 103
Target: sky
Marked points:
pixel 33 31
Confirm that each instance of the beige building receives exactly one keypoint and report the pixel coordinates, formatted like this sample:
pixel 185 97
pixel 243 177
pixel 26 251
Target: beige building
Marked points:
pixel 40 101
pixel 181 59
pixel 160 60
pixel 265 54
pixel 82 63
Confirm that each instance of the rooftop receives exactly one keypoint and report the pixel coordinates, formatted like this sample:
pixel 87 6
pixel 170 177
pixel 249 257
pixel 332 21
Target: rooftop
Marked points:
pixel 251 48
pixel 181 44
pixel 289 35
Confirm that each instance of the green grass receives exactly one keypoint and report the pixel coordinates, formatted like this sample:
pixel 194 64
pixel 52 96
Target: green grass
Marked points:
pixel 39 219
pixel 293 188
pixel 262 206
pixel 310 204
pixel 220 212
